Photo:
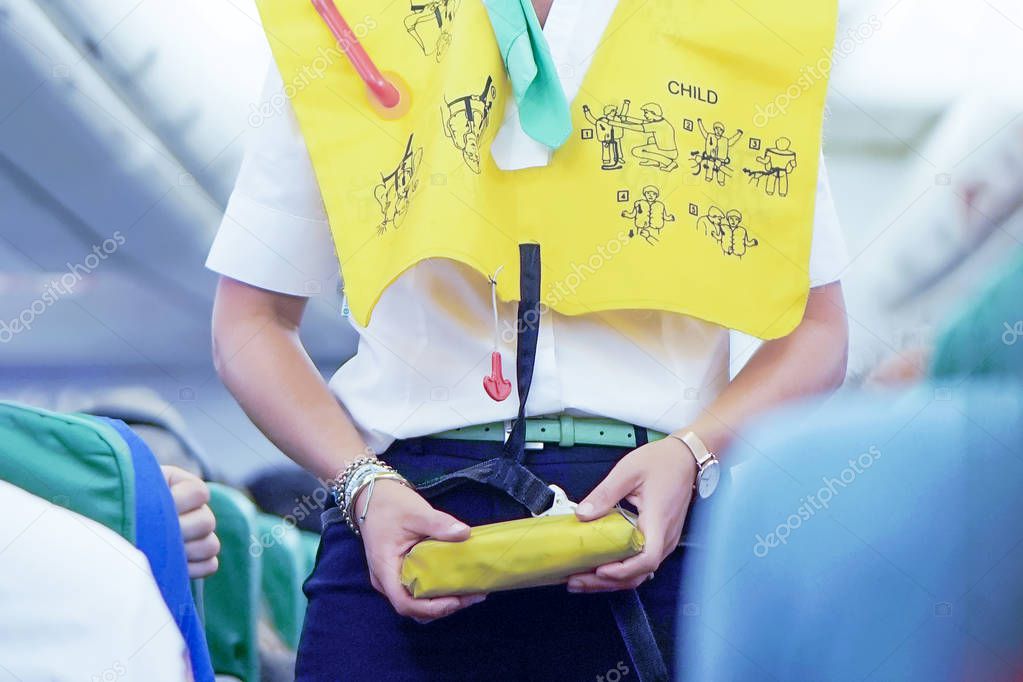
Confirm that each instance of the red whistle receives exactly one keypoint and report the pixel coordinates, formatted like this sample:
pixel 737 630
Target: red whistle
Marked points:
pixel 496 386
pixel 383 89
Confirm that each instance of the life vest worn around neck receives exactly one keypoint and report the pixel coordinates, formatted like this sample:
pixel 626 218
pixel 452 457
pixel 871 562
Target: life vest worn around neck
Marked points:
pixel 688 184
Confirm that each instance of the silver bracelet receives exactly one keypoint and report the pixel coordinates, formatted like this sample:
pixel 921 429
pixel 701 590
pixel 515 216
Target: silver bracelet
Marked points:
pixel 369 485
pixel 353 479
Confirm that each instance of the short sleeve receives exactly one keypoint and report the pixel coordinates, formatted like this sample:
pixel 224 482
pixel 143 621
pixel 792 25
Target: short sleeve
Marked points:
pixel 275 234
pixel 829 255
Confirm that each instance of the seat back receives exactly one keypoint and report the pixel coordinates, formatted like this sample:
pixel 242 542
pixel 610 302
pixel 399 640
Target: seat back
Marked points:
pixel 284 570
pixel 159 538
pixel 869 539
pixel 100 469
pixel 232 594
pixel 985 338
pixel 71 460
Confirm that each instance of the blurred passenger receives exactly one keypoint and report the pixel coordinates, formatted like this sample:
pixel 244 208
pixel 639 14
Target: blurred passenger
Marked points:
pixel 291 492
pixel 156 421
pixel 79 601
pixel 984 338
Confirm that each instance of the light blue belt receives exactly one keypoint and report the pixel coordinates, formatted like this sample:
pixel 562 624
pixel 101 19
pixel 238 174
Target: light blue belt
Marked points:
pixel 564 430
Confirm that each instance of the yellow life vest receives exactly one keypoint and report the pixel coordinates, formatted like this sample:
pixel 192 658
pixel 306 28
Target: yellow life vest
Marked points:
pixel 688 185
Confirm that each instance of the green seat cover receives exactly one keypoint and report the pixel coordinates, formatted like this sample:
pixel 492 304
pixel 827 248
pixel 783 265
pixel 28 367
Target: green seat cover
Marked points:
pixel 986 337
pixel 74 461
pixel 284 570
pixel 311 544
pixel 232 593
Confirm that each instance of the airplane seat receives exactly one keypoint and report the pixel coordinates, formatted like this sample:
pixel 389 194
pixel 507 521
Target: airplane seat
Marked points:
pixel 864 539
pixel 985 338
pixel 159 537
pixel 232 594
pixel 176 446
pixel 57 456
pixel 282 552
pixel 100 469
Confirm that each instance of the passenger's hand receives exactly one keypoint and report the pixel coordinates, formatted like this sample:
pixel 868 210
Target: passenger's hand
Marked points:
pixel 657 479
pixel 397 519
pixel 191 499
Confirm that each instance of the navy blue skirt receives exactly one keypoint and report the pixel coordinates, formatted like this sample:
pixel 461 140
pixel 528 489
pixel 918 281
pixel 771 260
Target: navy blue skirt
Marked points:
pixel 351 632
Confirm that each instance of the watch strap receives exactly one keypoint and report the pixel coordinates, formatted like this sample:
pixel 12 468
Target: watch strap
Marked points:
pixel 697 447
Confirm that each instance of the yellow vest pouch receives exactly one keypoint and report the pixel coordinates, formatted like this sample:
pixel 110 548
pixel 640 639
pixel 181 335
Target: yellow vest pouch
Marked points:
pixel 526 553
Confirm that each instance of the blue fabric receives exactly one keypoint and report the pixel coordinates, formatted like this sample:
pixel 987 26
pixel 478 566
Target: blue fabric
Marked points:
pixel 537 634
pixel 879 539
pixel 158 536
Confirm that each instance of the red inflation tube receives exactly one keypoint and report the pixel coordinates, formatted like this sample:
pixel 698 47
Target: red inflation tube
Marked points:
pixel 383 89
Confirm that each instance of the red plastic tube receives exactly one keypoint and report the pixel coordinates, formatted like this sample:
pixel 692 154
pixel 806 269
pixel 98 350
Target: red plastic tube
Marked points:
pixel 383 89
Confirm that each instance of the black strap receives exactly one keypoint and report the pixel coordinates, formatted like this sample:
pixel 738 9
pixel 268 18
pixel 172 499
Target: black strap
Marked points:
pixel 502 473
pixel 634 627
pixel 642 436
pixel 507 473
pixel 527 334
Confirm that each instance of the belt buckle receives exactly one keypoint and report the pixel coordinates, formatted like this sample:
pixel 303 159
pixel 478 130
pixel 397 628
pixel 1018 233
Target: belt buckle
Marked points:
pixel 528 445
pixel 561 505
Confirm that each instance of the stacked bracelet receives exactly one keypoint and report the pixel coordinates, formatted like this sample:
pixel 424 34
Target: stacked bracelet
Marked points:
pixel 355 478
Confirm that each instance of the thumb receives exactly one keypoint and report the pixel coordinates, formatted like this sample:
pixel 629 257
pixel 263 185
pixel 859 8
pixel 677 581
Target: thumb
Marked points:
pixel 602 499
pixel 440 526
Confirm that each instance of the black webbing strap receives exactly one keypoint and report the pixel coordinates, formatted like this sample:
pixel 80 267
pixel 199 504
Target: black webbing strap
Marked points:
pixel 633 624
pixel 502 473
pixel 634 627
pixel 527 334
pixel 506 472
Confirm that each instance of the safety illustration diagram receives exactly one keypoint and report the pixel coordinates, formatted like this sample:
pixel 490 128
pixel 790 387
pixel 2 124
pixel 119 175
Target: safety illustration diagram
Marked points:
pixel 609 133
pixel 649 215
pixel 714 161
pixel 658 148
pixel 465 119
pixel 777 162
pixel 395 191
pixel 727 230
pixel 429 24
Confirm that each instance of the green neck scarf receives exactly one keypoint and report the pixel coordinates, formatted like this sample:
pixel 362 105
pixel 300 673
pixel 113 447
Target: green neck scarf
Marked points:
pixel 543 108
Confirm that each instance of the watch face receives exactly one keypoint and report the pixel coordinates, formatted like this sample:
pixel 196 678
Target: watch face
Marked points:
pixel 707 481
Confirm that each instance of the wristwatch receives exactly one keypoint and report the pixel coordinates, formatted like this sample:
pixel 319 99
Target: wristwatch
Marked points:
pixel 709 473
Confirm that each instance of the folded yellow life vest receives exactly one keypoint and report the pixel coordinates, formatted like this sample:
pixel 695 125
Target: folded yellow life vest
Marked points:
pixel 688 185
pixel 531 552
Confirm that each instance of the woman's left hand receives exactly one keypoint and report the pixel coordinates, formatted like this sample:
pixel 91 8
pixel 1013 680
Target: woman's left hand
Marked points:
pixel 657 479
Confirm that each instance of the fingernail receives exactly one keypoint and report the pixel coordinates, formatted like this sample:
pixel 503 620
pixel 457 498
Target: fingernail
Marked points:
pixel 585 509
pixel 458 528
pixel 574 587
pixel 477 599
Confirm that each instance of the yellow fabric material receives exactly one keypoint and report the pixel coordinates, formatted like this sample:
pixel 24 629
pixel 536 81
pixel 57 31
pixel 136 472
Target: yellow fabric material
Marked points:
pixel 525 553
pixel 688 184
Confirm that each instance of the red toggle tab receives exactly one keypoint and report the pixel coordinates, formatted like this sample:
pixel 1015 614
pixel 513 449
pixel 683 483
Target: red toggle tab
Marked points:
pixel 496 386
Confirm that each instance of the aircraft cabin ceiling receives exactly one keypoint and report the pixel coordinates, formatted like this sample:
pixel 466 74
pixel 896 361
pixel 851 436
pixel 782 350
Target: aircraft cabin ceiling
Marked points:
pixel 119 145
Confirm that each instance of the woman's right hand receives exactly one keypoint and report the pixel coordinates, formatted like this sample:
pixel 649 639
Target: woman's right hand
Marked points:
pixel 398 518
